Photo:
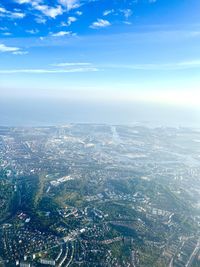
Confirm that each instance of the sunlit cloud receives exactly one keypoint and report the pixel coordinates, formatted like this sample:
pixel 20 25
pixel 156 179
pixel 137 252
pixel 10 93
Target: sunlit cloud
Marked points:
pixel 100 23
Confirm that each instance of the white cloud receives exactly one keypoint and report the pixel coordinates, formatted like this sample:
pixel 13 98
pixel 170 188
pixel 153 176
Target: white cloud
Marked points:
pixel 4 48
pixel 127 22
pixel 62 33
pixel 12 49
pixel 70 20
pixel 17 15
pixel 108 12
pixel 40 20
pixel 100 23
pixel 48 11
pixel 3 10
pixel 13 15
pixel 20 53
pixel 79 13
pixel 33 31
pixel 70 4
pixel 23 1
pixel 31 2
pixel 127 13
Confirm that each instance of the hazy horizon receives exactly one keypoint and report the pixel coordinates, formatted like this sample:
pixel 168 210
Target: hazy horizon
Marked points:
pixel 43 112
pixel 140 56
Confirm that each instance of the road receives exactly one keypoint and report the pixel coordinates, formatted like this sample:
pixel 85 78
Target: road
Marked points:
pixel 192 256
pixel 171 264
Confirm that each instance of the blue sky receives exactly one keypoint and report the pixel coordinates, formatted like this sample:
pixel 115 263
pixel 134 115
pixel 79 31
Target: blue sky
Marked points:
pixel 130 50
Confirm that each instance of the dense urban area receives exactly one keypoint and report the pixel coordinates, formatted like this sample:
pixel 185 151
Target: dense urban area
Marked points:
pixel 99 195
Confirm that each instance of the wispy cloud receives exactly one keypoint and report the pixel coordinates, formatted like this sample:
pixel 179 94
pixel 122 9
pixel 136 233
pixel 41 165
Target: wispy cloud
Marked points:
pixel 153 36
pixel 63 67
pixel 63 33
pixel 40 20
pixel 7 33
pixel 126 12
pixel 166 66
pixel 49 71
pixel 16 14
pixel 33 31
pixel 108 12
pixel 100 23
pixel 69 64
pixel 20 53
pixel 25 1
pixel 3 28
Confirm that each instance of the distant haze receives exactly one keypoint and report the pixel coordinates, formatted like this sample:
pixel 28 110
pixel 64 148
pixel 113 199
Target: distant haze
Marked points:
pixel 36 112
